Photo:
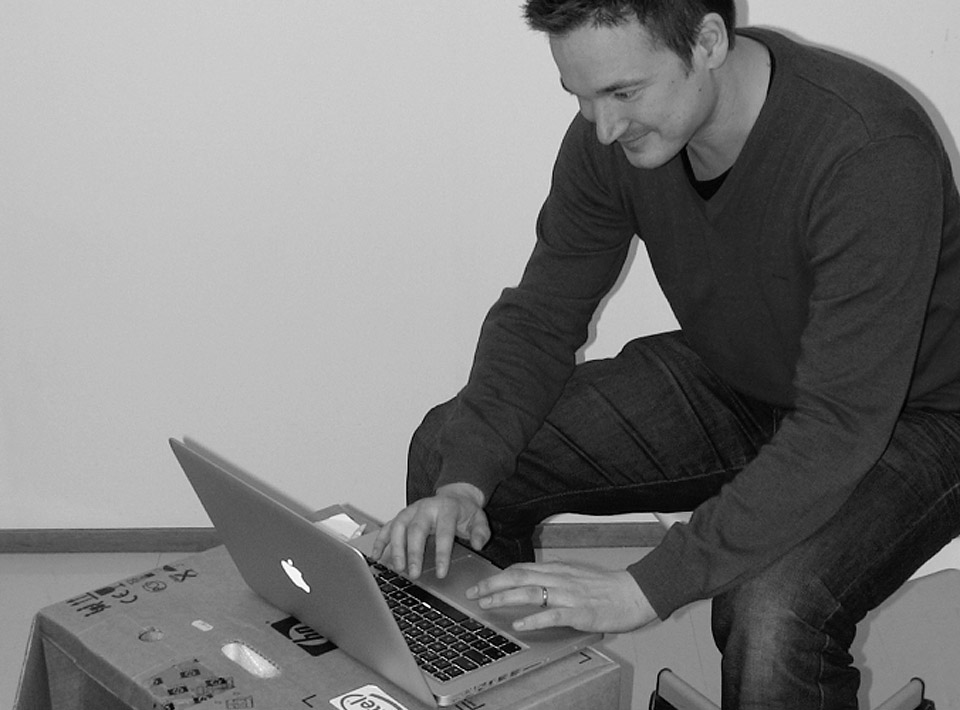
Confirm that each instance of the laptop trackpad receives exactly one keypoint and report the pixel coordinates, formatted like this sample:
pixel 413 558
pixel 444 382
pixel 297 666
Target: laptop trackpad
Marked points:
pixel 466 569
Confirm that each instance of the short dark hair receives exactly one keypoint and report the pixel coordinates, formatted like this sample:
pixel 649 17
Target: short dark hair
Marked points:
pixel 673 24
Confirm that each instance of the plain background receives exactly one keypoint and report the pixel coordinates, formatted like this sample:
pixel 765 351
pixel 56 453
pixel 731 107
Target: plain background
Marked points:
pixel 276 227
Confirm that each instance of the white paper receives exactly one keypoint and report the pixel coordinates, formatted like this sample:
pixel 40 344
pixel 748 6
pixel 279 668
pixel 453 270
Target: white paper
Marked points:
pixel 343 526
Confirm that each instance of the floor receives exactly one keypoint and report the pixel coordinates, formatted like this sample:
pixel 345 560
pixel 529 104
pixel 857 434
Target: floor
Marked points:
pixel 31 582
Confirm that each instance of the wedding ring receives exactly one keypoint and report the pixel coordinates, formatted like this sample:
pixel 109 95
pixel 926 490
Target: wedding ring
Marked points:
pixel 546 597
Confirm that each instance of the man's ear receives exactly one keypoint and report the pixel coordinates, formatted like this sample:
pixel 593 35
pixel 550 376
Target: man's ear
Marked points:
pixel 713 42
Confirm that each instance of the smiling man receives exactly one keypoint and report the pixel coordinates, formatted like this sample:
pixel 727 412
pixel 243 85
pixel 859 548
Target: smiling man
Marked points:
pixel 802 219
pixel 655 103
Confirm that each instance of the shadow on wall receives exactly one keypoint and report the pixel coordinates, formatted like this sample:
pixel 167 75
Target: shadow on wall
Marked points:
pixel 939 122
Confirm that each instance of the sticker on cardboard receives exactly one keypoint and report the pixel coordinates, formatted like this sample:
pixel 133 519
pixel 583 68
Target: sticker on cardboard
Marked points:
pixel 369 697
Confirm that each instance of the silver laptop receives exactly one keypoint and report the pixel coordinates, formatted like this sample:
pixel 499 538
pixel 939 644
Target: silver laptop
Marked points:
pixel 425 637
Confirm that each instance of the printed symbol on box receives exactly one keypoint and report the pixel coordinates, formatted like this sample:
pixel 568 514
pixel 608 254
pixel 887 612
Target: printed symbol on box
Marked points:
pixel 187 684
pixel 88 604
pixel 139 578
pixel 178 574
pixel 124 596
pixel 184 576
pixel 117 591
pixel 155 585
pixel 369 697
pixel 219 684
pixel 305 637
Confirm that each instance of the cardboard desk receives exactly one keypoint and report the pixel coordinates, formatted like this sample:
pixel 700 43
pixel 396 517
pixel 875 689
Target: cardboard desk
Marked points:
pixel 157 641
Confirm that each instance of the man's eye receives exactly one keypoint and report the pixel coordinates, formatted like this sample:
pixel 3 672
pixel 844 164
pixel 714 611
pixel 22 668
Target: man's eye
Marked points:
pixel 626 94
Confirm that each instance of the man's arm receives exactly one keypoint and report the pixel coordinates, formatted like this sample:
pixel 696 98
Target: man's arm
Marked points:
pixel 527 348
pixel 873 246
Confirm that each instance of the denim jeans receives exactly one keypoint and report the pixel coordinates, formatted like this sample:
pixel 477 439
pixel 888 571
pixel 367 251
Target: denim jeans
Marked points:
pixel 654 430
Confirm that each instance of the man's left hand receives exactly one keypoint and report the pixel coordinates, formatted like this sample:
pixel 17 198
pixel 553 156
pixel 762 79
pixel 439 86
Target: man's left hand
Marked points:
pixel 586 598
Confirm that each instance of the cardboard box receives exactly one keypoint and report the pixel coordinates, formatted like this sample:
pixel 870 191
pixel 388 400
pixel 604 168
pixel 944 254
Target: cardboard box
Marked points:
pixel 159 640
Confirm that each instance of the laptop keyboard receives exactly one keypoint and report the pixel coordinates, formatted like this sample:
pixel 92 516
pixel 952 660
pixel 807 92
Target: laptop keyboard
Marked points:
pixel 445 641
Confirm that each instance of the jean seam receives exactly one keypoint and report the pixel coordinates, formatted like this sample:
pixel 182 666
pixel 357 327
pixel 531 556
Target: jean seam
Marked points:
pixel 840 606
pixel 821 665
pixel 627 487
pixel 930 512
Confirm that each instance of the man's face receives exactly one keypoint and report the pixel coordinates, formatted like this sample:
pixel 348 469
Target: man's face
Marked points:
pixel 638 94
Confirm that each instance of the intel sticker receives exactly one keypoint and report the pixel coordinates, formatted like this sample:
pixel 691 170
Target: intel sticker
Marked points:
pixel 369 697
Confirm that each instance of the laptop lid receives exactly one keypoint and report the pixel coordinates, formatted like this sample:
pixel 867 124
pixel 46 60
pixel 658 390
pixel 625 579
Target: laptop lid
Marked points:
pixel 326 583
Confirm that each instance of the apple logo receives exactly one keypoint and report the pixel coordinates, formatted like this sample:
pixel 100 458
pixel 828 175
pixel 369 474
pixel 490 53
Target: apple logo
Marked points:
pixel 295 575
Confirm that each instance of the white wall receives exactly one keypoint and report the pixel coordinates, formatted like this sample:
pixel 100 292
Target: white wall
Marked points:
pixel 276 226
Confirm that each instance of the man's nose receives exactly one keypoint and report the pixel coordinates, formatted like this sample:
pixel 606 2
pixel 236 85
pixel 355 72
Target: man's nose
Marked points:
pixel 609 123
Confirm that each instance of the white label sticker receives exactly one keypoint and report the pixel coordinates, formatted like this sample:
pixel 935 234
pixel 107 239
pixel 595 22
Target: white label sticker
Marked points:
pixel 369 697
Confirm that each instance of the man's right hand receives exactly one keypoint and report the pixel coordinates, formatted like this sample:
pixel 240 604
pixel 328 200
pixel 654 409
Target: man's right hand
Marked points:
pixel 456 509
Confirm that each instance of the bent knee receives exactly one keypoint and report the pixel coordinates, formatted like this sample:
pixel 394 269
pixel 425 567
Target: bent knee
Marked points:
pixel 771 613
pixel 785 643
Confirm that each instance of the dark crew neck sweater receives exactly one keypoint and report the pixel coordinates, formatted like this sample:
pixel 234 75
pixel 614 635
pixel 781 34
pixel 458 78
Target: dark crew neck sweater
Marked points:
pixel 822 277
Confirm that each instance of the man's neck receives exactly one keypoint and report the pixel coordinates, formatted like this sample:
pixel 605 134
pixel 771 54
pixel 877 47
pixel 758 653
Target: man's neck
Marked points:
pixel 744 79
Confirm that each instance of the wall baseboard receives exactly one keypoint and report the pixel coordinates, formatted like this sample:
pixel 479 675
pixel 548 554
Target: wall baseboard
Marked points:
pixel 62 540
pixel 59 540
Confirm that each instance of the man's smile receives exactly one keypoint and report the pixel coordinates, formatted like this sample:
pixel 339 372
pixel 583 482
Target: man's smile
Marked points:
pixel 632 142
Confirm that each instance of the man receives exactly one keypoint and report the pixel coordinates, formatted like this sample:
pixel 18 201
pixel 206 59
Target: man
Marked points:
pixel 802 219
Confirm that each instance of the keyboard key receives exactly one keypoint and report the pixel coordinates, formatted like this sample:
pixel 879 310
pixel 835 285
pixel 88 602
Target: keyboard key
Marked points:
pixel 465 663
pixel 476 657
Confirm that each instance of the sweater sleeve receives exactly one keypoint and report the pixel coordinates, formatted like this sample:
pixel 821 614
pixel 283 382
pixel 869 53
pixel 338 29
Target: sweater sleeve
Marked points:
pixel 529 339
pixel 872 247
